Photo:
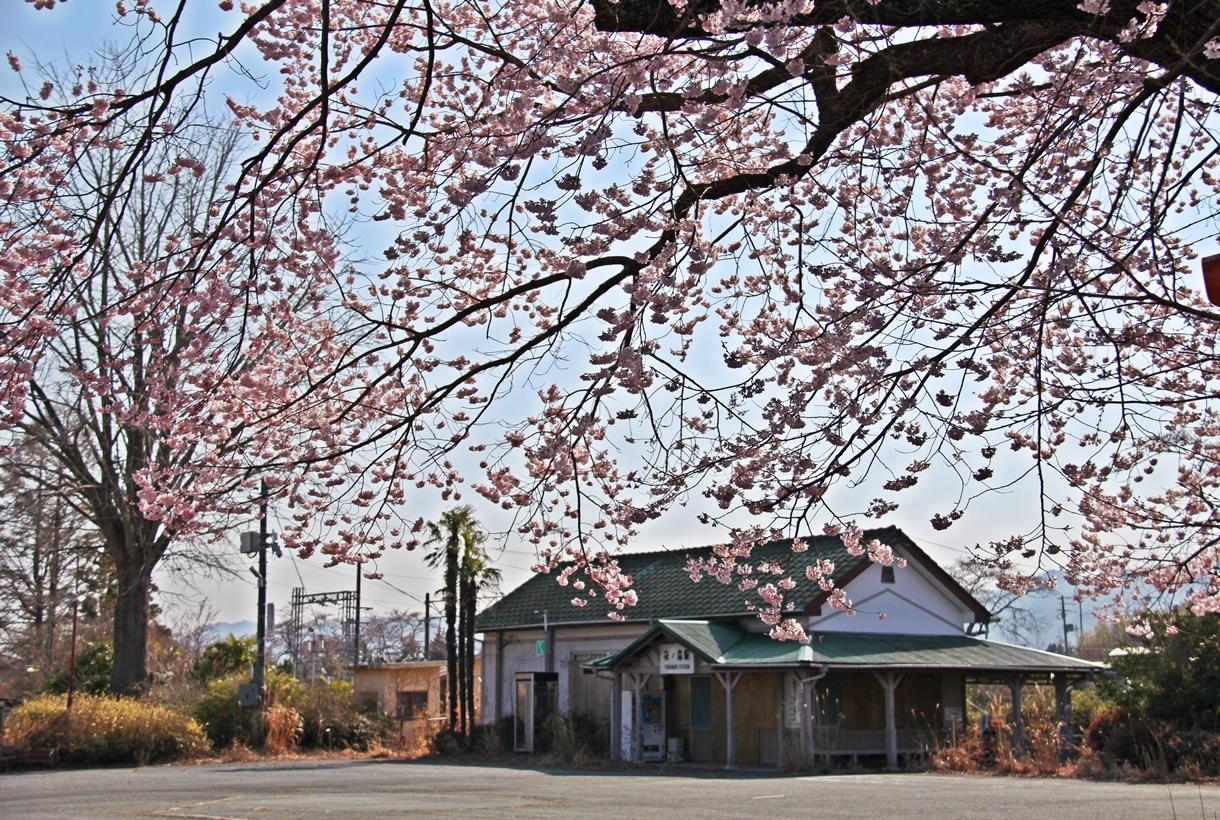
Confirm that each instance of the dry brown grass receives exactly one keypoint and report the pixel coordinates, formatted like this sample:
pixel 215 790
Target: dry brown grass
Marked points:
pixel 419 745
pixel 237 753
pixel 1040 756
pixel 105 730
pixel 283 727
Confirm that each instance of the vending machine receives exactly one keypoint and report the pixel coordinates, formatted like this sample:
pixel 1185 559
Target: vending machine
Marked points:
pixel 652 727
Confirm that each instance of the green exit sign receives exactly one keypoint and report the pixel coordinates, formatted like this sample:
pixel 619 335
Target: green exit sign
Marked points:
pixel 540 646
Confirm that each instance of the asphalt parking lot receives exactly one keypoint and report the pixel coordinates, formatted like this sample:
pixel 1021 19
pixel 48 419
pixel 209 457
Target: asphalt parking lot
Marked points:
pixel 372 788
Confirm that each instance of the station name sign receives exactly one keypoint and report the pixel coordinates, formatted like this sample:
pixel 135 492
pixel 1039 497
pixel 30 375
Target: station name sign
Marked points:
pixel 676 659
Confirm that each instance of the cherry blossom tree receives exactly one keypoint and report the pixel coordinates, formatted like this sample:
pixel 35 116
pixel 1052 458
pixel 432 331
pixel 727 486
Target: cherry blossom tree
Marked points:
pixel 392 637
pixel 131 373
pixel 795 258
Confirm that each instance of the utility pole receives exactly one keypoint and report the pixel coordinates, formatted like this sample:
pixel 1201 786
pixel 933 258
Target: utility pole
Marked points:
pixel 427 626
pixel 1064 618
pixel 356 631
pixel 260 659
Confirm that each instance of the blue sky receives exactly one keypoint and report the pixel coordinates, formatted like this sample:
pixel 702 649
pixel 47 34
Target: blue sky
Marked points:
pixel 68 34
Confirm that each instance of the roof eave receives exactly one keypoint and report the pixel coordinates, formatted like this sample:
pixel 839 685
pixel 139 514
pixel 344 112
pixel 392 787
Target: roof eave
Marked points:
pixel 964 667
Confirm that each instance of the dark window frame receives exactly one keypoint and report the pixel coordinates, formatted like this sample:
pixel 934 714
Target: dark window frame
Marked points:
pixel 410 703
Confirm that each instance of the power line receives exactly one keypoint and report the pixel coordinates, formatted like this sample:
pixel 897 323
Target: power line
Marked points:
pixel 402 591
pixel 295 567
pixel 407 577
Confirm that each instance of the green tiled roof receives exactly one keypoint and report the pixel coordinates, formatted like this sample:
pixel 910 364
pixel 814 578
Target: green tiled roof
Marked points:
pixel 937 651
pixel 665 589
pixel 708 639
pixel 755 649
pixel 730 645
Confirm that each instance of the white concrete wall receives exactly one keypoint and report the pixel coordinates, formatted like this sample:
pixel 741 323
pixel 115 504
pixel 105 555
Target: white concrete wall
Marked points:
pixel 520 655
pixel 915 604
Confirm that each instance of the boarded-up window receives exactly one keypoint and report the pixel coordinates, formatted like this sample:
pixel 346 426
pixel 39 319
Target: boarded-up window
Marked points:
pixel 586 691
pixel 701 702
pixel 411 703
pixel 794 704
pixel 917 701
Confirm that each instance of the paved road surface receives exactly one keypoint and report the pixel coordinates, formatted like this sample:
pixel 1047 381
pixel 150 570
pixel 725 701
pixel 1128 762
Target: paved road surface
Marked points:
pixel 388 788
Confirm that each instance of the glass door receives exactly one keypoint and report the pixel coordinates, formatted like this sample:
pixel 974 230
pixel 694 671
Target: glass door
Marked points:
pixel 523 714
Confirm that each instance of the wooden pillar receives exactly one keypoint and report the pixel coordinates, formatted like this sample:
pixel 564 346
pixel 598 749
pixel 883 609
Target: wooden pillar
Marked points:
pixel 616 717
pixel 637 743
pixel 729 680
pixel 806 709
pixel 1063 713
pixel 1015 685
pixel 803 727
pixel 497 693
pixel 889 684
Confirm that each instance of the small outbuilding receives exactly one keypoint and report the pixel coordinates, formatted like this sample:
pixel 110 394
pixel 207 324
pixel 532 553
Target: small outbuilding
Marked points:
pixel 414 692
pixel 692 673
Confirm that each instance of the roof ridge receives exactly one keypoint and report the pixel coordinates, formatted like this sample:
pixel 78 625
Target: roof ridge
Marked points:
pixel 675 550
pixel 656 572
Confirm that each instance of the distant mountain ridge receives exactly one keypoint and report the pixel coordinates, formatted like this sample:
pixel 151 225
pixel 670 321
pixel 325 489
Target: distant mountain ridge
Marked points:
pixel 223 629
pixel 1045 607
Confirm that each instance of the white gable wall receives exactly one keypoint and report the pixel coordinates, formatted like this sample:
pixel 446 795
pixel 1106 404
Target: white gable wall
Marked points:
pixel 915 604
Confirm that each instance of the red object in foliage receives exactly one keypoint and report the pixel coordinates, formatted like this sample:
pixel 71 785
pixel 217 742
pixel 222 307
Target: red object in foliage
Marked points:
pixel 1211 278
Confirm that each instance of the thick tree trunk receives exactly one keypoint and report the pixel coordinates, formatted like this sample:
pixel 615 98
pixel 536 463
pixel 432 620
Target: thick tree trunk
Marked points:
pixel 130 673
pixel 472 592
pixel 462 627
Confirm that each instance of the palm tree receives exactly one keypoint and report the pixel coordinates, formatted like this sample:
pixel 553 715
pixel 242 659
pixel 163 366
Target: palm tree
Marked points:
pixel 477 574
pixel 447 536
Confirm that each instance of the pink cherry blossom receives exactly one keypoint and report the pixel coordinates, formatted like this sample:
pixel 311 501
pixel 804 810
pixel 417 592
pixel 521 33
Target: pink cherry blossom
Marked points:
pixel 773 271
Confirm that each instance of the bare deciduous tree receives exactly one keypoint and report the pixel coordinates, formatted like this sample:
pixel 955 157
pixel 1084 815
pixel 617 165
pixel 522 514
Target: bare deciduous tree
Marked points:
pixel 49 561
